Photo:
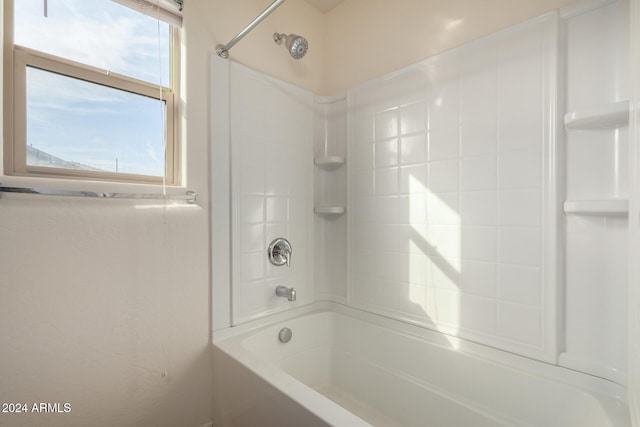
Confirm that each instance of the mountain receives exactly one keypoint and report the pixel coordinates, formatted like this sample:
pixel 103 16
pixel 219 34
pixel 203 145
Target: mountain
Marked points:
pixel 37 157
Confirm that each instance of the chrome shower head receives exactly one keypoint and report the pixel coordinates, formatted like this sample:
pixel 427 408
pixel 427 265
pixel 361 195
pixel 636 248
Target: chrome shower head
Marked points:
pixel 296 45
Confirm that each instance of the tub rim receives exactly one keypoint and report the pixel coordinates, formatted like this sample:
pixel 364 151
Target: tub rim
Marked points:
pixel 230 340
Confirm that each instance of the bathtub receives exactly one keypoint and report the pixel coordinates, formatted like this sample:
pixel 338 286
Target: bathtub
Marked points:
pixel 346 367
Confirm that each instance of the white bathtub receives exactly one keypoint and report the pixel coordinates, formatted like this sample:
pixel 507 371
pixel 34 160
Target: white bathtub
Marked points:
pixel 345 367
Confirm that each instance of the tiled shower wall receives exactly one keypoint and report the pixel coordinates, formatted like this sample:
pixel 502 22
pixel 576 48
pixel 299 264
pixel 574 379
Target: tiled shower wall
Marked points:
pixel 450 198
pixel 596 64
pixel 452 219
pixel 330 230
pixel 272 190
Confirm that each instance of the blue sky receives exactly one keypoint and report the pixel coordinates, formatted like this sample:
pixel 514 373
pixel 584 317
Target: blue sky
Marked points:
pixel 87 123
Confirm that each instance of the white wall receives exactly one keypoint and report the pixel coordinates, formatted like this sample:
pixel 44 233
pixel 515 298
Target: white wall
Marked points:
pixel 271 151
pixel 104 306
pixel 370 38
pixel 450 168
pixel 105 303
pixel 330 190
pixel 596 74
pixel 633 298
pixel 477 294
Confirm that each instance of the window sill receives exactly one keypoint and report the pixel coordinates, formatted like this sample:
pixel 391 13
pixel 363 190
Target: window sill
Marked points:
pixel 93 186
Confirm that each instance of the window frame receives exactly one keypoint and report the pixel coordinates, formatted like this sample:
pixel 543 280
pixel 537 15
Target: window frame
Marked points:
pixel 18 58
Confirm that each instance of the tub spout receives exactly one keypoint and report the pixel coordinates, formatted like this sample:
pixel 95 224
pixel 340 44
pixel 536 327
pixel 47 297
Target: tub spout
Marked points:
pixel 288 293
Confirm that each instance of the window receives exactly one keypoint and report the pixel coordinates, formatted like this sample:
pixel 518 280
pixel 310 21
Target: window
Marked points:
pixel 92 86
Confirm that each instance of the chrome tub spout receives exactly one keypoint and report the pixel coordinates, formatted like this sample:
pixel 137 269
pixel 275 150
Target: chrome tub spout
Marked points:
pixel 288 293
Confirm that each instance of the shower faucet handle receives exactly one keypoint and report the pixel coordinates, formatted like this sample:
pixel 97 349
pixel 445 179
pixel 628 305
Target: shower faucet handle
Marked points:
pixel 279 252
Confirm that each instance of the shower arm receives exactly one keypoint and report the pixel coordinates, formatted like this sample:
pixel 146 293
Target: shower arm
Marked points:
pixel 223 50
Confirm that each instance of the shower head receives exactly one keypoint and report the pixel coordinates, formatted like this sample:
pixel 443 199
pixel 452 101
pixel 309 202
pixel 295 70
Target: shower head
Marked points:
pixel 296 45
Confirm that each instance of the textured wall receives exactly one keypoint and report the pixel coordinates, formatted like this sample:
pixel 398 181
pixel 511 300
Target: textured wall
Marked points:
pixel 105 304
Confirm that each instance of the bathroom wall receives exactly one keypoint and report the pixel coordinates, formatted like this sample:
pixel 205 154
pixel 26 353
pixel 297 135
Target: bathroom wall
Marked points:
pixel 596 160
pixel 105 304
pixel 363 63
pixel 633 297
pixel 452 191
pixel 454 214
pixel 359 39
pixel 275 131
pixel 271 152
pixel 468 234
pixel 516 299
pixel 366 39
pixel 330 198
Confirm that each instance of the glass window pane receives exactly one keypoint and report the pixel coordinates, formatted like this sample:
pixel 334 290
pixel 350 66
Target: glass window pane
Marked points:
pixel 100 33
pixel 80 125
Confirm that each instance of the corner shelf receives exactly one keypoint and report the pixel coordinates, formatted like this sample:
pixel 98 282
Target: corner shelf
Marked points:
pixel 329 210
pixel 329 162
pixel 603 207
pixel 603 116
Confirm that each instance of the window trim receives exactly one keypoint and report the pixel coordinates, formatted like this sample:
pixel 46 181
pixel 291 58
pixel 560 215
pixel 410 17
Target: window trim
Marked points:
pixel 169 11
pixel 16 61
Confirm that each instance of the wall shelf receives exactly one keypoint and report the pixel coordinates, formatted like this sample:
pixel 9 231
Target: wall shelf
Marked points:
pixel 603 116
pixel 329 210
pixel 329 162
pixel 610 207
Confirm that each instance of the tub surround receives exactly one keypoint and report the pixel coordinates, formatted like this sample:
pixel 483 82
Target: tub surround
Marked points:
pixel 271 150
pixel 596 181
pixel 453 191
pixel 448 195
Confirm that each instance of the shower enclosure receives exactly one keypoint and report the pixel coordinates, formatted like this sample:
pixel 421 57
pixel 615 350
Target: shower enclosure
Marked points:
pixel 483 193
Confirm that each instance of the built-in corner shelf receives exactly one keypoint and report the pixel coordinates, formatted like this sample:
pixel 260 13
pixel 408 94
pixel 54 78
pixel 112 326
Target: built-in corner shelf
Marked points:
pixel 329 162
pixel 329 210
pixel 603 116
pixel 610 207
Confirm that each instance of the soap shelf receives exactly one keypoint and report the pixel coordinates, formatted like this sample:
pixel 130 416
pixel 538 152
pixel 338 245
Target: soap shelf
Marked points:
pixel 603 116
pixel 329 210
pixel 610 207
pixel 329 162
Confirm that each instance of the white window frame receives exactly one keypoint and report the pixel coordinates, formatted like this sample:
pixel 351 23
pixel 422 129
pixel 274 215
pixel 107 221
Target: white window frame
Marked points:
pixel 16 61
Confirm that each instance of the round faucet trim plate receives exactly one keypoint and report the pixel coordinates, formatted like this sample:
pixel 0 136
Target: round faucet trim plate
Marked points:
pixel 279 252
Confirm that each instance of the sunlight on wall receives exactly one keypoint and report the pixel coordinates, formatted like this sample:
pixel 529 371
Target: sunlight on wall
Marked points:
pixel 447 194
pixel 453 24
pixel 439 297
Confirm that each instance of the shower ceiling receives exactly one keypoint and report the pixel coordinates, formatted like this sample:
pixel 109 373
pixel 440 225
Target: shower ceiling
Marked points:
pixel 324 5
